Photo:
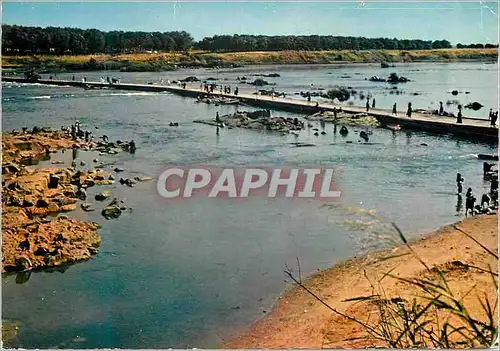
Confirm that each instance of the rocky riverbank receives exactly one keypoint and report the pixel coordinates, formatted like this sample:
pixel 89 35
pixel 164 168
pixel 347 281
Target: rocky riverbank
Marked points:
pixel 35 233
pixel 258 120
pixel 300 321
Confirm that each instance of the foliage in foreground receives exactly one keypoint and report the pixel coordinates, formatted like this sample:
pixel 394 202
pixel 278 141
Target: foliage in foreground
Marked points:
pixel 436 318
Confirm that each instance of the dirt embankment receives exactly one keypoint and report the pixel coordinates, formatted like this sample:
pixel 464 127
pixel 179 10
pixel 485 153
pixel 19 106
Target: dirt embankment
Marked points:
pixel 300 321
pixel 31 239
pixel 171 61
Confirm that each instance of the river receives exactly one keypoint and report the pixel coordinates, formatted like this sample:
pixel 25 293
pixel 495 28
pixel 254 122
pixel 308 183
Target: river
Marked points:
pixel 192 273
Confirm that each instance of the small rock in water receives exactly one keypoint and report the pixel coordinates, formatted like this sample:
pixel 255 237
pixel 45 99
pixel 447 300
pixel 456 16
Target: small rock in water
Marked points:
pixel 118 169
pixel 81 194
pixel 96 160
pixel 102 196
pixel 73 164
pixel 57 162
pixel 82 163
pixel 87 207
pixel 110 212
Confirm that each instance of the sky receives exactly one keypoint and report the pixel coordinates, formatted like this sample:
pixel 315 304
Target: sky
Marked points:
pixel 456 21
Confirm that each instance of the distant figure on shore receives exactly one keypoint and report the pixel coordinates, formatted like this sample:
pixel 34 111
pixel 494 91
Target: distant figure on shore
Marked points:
pixel 469 204
pixel 459 204
pixel 490 115
pixel 308 97
pixel 394 110
pixel 487 167
pixel 217 118
pixel 494 117
pixel 469 192
pixel 373 103
pixel 441 108
pixel 73 78
pixel 335 113
pixel 367 104
pixel 236 90
pixel 409 111
pixel 485 199
pixel 459 115
pixel 459 183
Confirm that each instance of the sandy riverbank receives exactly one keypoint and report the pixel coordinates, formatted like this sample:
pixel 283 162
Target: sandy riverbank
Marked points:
pixel 300 321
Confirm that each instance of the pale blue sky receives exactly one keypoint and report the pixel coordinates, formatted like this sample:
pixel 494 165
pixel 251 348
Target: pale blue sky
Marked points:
pixel 457 21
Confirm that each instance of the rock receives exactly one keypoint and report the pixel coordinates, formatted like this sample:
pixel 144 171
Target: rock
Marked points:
pixel 41 251
pixel 454 92
pixel 104 182
pixel 42 203
pixel 53 208
pixel 96 160
pixel 57 162
pixel 67 208
pixel 87 207
pixel 82 163
pixel 111 212
pixel 102 196
pixel 111 177
pixel 81 194
pixel 23 263
pixel 474 106
pixel 27 202
pixel 117 169
pixel 53 182
pixel 143 179
pixel 10 168
pixel 70 193
pixel 15 201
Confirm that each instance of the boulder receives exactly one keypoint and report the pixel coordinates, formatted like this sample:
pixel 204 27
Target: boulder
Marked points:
pixel 87 207
pixel 110 212
pixel 102 196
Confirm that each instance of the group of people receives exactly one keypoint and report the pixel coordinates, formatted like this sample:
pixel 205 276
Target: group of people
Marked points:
pixel 487 200
pixel 368 104
pixel 493 117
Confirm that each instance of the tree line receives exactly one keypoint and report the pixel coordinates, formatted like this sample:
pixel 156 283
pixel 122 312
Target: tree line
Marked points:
pixel 59 41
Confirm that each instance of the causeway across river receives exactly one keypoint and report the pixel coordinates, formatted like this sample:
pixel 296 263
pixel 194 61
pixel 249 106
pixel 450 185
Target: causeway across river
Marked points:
pixel 471 128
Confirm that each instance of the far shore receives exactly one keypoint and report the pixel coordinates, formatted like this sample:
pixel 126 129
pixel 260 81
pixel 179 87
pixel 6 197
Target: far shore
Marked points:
pixel 156 62
pixel 300 321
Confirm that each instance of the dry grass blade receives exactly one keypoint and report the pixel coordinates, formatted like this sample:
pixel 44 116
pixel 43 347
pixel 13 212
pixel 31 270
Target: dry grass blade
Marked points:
pixel 477 242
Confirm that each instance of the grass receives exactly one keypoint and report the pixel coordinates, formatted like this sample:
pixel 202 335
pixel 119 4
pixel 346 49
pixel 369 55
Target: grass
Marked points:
pixel 168 61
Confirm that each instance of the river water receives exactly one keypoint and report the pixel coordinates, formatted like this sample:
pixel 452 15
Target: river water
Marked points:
pixel 192 273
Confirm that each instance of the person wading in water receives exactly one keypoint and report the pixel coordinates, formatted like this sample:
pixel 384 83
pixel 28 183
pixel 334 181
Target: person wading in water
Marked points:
pixel 394 110
pixel 409 111
pixel 459 115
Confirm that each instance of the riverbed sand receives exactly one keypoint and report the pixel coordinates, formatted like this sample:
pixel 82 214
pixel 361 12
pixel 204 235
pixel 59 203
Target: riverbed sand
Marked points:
pixel 298 320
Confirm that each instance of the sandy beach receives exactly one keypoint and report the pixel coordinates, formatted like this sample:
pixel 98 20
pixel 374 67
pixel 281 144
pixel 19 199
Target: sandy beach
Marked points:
pixel 298 320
